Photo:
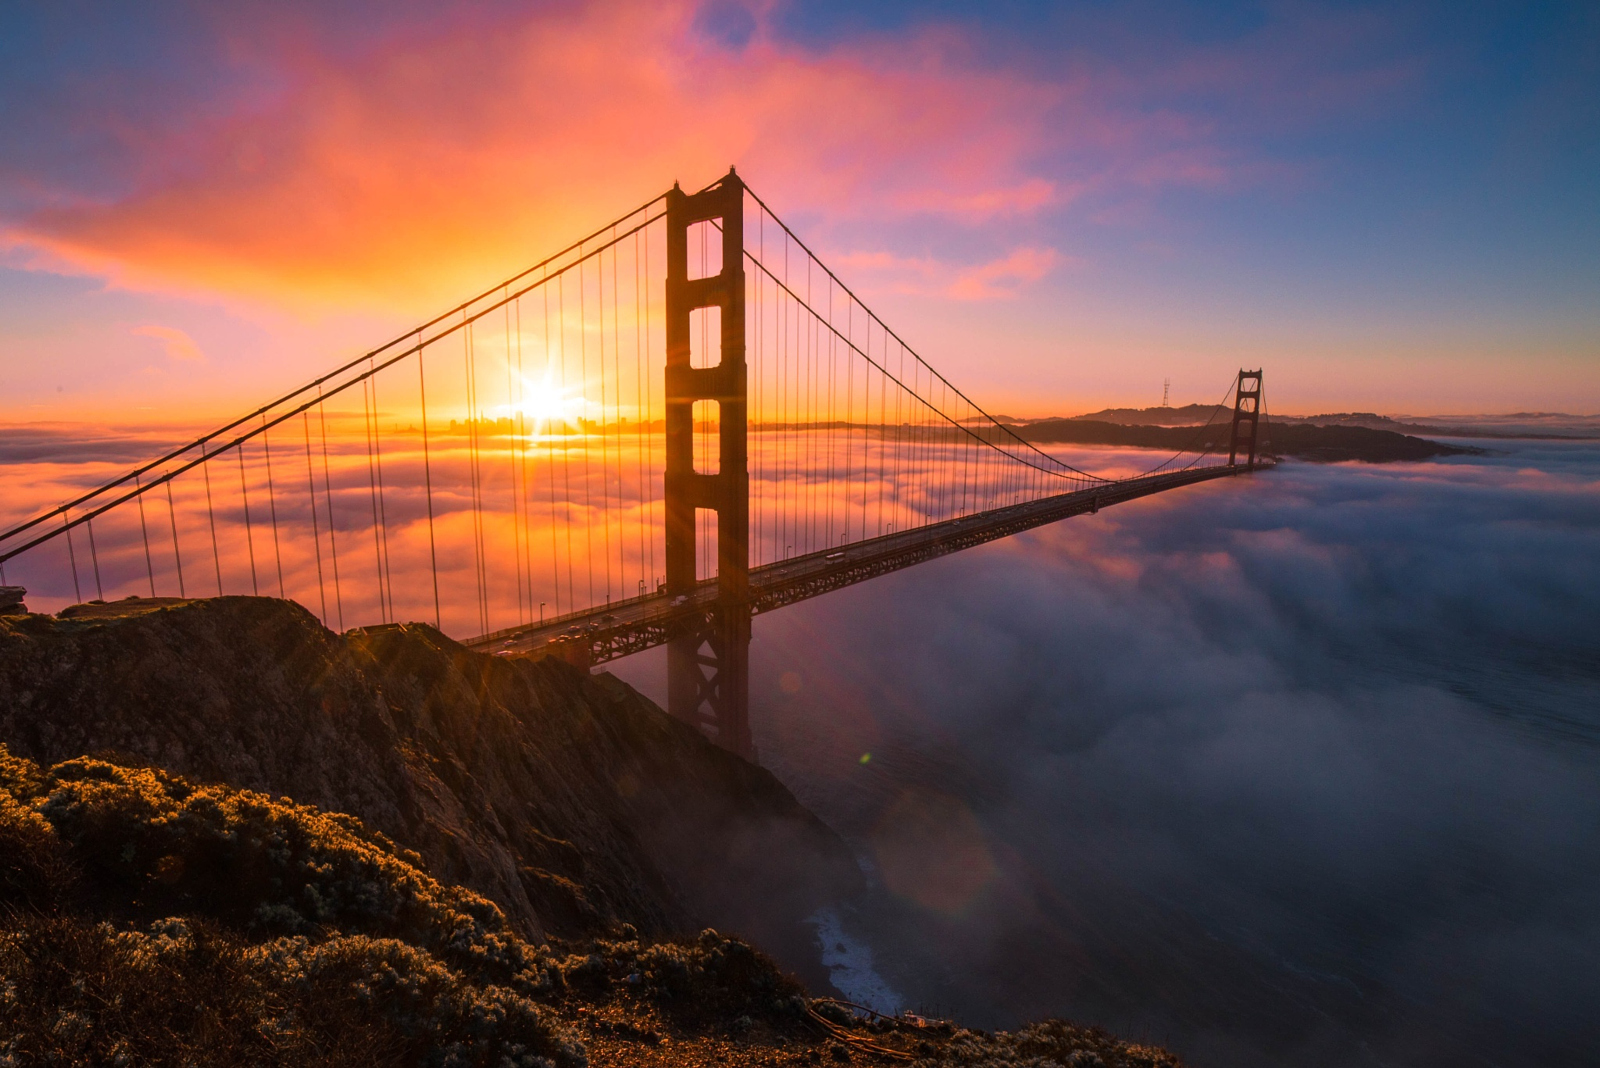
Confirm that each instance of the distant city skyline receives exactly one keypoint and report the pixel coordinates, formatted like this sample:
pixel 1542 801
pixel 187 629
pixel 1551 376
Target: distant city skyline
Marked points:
pixel 1390 208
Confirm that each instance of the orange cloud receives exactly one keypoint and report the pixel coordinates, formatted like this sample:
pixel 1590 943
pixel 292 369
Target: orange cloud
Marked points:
pixel 431 166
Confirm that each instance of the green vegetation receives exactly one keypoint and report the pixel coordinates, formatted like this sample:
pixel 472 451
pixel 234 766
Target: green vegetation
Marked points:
pixel 145 919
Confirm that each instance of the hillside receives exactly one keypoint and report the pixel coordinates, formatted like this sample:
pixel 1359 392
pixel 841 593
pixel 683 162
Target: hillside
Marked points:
pixel 571 802
pixel 1303 441
pixel 230 837
pixel 149 919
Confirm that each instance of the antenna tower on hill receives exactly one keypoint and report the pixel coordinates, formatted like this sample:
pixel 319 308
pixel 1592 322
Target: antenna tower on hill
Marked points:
pixel 1166 392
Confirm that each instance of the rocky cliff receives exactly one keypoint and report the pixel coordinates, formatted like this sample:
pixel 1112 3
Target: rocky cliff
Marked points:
pixel 569 800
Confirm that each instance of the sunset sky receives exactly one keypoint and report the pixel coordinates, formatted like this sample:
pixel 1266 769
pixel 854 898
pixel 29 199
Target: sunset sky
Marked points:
pixel 1389 207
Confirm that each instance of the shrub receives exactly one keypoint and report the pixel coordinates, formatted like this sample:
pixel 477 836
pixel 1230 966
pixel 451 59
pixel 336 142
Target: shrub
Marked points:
pixel 181 991
pixel 150 843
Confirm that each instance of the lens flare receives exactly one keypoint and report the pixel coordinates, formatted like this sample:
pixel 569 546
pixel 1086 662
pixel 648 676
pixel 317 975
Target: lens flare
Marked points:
pixel 547 406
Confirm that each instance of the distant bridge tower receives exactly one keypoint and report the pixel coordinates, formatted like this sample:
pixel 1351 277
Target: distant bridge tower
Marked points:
pixel 708 662
pixel 1246 411
pixel 1166 393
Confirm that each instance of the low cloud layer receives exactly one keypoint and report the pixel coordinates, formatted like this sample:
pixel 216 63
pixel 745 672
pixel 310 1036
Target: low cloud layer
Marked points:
pixel 1339 719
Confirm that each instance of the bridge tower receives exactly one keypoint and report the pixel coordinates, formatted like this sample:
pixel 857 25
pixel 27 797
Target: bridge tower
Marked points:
pixel 708 662
pixel 1246 409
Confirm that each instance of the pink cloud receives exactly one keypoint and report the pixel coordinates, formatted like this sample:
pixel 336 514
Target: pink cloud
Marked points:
pixel 413 173
pixel 433 164
pixel 996 279
pixel 1000 278
pixel 178 346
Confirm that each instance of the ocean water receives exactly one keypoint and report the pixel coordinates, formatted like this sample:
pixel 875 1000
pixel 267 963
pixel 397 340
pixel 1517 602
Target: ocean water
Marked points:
pixel 1296 769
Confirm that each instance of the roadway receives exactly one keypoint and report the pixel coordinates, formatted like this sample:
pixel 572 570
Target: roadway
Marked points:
pixel 596 635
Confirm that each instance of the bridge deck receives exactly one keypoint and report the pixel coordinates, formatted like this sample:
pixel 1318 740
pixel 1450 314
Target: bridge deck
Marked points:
pixel 596 635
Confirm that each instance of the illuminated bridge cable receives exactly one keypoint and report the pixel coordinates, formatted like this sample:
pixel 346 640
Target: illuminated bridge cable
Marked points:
pixel 177 557
pixel 316 532
pixel 854 439
pixel 72 558
pixel 211 515
pixel 249 535
pixel 790 233
pixel 474 471
pixel 94 560
pixel 513 457
pixel 336 372
pixel 298 409
pixel 936 381
pixel 144 532
pixel 272 506
pixel 427 474
pixel 1199 433
pixel 327 492
pixel 372 492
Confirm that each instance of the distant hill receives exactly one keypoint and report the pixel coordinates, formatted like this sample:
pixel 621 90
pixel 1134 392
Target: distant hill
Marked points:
pixel 1188 415
pixel 1517 425
pixel 1302 441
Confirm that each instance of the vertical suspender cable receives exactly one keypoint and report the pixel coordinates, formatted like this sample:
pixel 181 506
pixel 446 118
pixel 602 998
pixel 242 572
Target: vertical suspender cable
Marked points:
pixel 526 429
pixel 94 559
pixel 884 416
pixel 249 535
pixel 516 456
pixel 640 427
pixel 272 504
pixel 605 433
pixel 383 509
pixel 72 557
pixel 831 435
pixel 588 495
pixel 427 478
pixel 649 402
pixel 144 531
pixel 316 533
pixel 327 490
pixel 216 557
pixel 372 492
pixel 478 564
pixel 177 557
pixel 550 455
pixel 616 421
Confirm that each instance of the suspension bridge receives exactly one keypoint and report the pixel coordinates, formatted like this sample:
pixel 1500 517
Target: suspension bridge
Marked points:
pixel 677 423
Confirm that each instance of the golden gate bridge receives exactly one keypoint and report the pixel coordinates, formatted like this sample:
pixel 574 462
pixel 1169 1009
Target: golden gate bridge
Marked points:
pixel 681 421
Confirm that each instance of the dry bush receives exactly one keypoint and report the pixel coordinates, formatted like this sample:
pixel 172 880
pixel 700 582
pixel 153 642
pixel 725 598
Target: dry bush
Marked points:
pixel 147 918
pixel 247 931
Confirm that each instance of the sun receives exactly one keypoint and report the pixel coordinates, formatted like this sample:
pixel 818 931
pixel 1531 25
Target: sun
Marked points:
pixel 544 403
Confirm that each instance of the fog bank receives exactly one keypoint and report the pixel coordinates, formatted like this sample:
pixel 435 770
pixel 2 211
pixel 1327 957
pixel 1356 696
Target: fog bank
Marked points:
pixel 1301 767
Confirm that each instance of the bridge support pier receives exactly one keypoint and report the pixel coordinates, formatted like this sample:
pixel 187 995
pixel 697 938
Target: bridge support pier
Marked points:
pixel 708 663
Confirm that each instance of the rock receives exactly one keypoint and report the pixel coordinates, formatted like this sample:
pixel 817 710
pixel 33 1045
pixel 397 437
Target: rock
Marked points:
pixel 570 800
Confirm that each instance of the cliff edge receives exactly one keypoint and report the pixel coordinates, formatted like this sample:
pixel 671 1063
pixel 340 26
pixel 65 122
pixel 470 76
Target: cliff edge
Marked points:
pixel 570 801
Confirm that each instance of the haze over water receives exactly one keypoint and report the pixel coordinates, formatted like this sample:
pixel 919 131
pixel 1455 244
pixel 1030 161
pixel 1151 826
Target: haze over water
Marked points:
pixel 1276 769
pixel 1298 769
pixel 1279 766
